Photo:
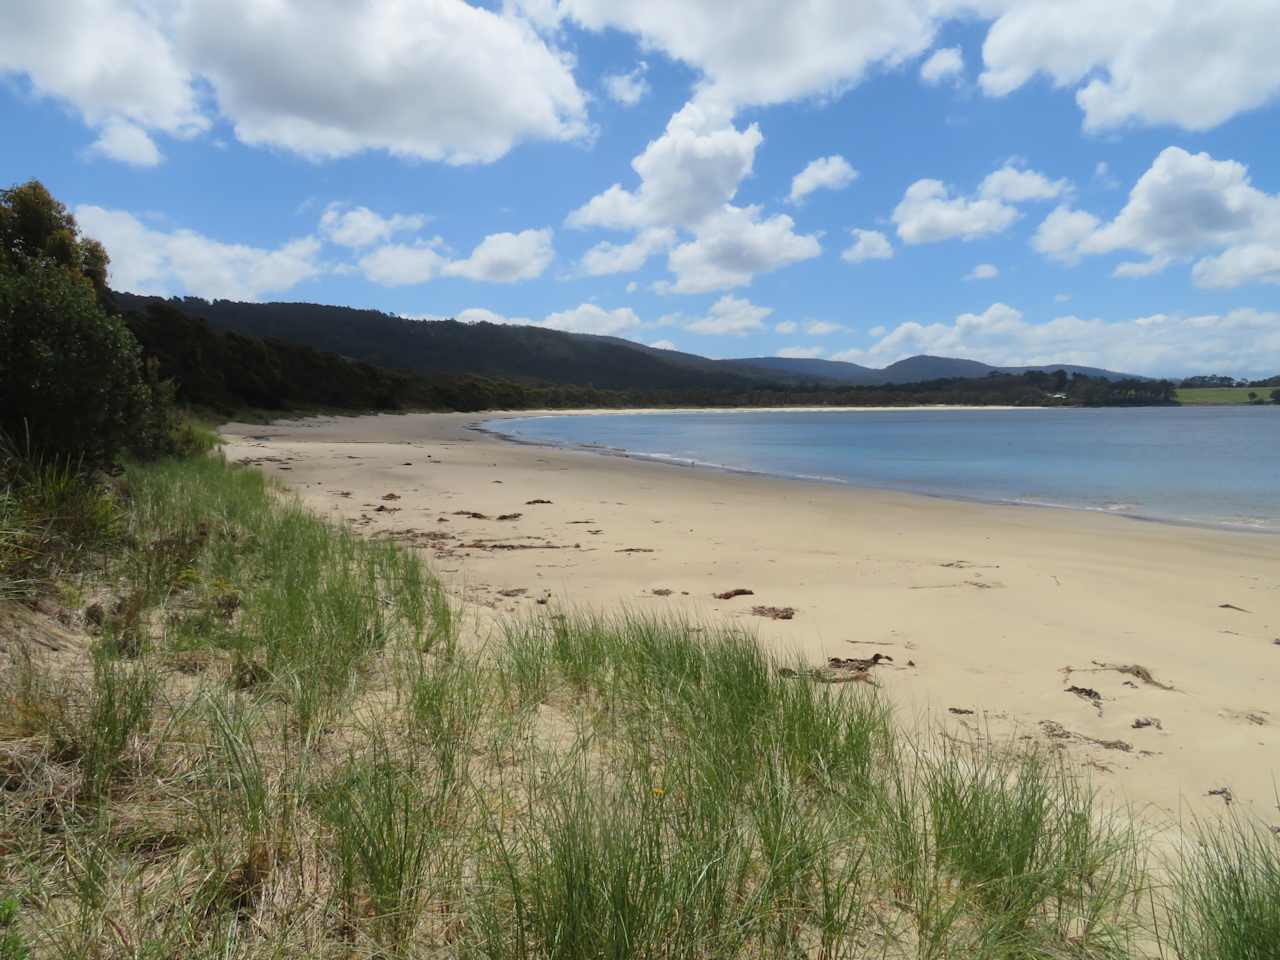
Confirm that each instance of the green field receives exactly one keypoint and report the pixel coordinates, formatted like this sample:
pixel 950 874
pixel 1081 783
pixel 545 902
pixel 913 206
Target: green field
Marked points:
pixel 1221 396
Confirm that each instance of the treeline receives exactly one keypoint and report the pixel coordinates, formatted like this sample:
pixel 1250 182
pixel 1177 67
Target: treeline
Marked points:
pixel 228 372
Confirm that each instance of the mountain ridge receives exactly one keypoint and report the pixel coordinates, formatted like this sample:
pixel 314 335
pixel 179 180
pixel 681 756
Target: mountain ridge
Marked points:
pixel 539 354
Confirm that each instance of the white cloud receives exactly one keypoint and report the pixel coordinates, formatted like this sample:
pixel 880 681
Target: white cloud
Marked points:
pixel 1016 185
pixel 481 315
pixel 761 52
pixel 663 345
pixel 1186 205
pixel 589 318
pixel 944 64
pixel 984 271
pixel 786 326
pixel 128 143
pixel 436 80
pixel 112 62
pixel 1062 298
pixel 730 247
pixel 868 245
pixel 149 261
pixel 801 353
pixel 400 264
pixel 1246 263
pixel 360 227
pixel 584 318
pixel 608 258
pixel 825 173
pixel 928 213
pixel 506 257
pixel 1193 63
pixel 687 174
pixel 820 328
pixel 630 88
pixel 731 315
pixel 1060 233
pixel 1245 340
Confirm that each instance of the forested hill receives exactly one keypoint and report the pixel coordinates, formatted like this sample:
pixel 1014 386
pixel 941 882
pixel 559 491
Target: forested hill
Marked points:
pixel 230 372
pixel 448 347
pixel 538 355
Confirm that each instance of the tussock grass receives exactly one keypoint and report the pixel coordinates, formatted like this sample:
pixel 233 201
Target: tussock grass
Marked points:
pixel 1227 903
pixel 282 743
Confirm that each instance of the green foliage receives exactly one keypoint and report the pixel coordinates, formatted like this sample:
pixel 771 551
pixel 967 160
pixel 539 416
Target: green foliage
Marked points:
pixel 12 944
pixel 73 384
pixel 1228 887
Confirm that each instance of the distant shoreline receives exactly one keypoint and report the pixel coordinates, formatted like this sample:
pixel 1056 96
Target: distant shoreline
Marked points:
pixel 486 424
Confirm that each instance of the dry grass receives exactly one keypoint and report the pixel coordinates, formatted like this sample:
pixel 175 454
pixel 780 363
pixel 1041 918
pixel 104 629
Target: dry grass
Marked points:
pixel 278 744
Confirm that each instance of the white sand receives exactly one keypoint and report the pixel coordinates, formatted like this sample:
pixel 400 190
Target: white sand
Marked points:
pixel 993 604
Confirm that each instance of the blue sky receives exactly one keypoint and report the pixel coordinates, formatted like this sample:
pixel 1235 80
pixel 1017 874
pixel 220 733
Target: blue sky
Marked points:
pixel 1018 181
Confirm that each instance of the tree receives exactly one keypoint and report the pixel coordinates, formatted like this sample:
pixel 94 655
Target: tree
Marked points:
pixel 1275 396
pixel 72 380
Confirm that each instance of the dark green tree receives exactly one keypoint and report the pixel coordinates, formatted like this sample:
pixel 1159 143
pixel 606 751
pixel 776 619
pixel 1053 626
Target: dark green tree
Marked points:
pixel 72 380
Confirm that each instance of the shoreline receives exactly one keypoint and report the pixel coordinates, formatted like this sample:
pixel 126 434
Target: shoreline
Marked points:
pixel 481 427
pixel 987 608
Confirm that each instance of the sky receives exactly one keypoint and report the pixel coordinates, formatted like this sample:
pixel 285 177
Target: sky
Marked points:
pixel 1014 181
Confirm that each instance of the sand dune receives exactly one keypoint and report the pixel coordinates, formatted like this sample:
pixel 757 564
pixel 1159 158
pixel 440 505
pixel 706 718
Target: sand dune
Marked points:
pixel 1150 652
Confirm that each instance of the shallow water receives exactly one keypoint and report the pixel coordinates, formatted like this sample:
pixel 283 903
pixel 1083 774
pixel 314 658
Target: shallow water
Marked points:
pixel 1218 466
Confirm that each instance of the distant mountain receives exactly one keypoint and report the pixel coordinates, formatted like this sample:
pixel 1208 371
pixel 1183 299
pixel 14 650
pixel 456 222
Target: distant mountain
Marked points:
pixel 911 370
pixel 539 355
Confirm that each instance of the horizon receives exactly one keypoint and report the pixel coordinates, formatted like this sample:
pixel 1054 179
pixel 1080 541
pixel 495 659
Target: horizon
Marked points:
pixel 948 179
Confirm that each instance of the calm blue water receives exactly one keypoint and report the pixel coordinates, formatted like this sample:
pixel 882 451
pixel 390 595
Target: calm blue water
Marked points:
pixel 1195 464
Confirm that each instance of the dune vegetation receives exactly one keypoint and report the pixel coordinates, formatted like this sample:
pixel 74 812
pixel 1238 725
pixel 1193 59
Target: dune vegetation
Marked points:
pixel 230 729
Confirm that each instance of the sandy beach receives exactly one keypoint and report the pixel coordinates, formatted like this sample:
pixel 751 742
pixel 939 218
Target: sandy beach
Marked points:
pixel 991 614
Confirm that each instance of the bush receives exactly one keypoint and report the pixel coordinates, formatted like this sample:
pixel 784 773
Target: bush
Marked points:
pixel 73 384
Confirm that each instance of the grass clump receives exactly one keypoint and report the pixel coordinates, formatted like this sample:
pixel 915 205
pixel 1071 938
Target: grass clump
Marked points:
pixel 1227 886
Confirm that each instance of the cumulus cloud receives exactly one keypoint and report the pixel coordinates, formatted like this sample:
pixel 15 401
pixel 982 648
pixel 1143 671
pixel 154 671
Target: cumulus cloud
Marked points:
pixel 498 258
pixel 151 261
pixel 1242 340
pixel 786 326
pixel 1184 206
pixel 607 258
pixel 686 174
pixel 825 173
pixel 731 315
pixel 663 345
pixel 402 264
pixel 360 227
pixel 820 328
pixel 506 257
pixel 629 88
pixel 801 353
pixel 984 271
pixel 128 143
pixel 766 53
pixel 942 65
pixel 111 62
pixel 930 213
pixel 867 245
pixel 589 318
pixel 1130 62
pixel 438 80
pixel 729 248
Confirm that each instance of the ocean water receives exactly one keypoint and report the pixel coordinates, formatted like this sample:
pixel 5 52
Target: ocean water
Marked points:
pixel 1205 465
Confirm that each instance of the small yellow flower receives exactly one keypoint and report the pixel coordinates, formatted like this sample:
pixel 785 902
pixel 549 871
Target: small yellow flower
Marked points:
pixel 658 792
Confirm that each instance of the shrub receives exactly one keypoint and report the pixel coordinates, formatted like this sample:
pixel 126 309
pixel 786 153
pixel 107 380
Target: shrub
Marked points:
pixel 73 384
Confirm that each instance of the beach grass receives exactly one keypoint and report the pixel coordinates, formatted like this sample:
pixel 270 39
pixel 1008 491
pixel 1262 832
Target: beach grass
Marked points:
pixel 280 739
